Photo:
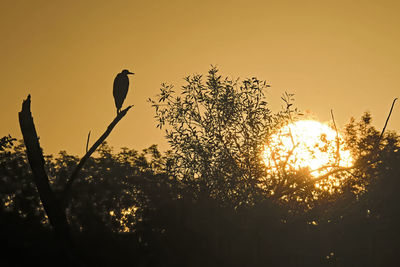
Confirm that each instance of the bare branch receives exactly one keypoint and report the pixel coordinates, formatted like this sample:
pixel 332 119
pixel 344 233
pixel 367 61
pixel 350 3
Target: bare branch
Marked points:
pixel 324 176
pixel 87 142
pixel 313 181
pixel 337 140
pixel 384 128
pixel 289 155
pixel 75 172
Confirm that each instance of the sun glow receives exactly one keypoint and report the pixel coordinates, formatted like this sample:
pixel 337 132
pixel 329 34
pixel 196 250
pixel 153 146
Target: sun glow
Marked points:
pixel 306 145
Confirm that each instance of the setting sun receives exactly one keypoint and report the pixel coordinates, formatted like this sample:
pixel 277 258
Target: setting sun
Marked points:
pixel 306 144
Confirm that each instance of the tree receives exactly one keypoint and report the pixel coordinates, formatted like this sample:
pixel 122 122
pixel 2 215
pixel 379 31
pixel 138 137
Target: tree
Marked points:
pixel 55 203
pixel 216 129
pixel 6 142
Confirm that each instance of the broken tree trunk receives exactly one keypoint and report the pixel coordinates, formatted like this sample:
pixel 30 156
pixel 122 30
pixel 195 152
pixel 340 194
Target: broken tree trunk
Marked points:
pixel 51 203
pixel 55 205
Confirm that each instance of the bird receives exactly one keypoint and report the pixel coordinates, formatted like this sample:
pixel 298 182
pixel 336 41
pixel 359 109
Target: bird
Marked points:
pixel 120 88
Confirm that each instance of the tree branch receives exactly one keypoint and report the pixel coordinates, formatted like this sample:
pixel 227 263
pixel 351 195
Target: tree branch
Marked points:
pixel 387 120
pixel 75 172
pixel 337 159
pixel 87 142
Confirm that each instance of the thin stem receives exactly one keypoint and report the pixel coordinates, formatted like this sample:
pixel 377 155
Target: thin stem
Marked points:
pixel 87 142
pixel 387 120
pixel 337 140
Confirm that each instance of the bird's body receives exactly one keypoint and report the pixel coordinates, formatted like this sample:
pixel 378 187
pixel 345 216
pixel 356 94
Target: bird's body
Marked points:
pixel 120 88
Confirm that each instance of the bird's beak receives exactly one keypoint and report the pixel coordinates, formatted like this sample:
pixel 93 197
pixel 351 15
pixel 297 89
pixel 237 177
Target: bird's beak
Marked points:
pixel 131 73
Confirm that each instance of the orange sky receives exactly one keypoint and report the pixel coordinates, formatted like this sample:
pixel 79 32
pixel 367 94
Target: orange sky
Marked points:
pixel 343 55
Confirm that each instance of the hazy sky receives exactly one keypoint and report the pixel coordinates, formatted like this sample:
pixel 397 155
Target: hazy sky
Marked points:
pixel 343 55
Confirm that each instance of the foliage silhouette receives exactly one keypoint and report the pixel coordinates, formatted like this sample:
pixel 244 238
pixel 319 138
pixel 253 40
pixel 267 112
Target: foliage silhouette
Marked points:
pixel 200 205
pixel 172 226
pixel 216 129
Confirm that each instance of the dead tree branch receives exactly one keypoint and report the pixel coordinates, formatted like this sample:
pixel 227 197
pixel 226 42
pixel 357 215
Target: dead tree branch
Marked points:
pixel 337 159
pixel 87 142
pixel 75 172
pixel 387 120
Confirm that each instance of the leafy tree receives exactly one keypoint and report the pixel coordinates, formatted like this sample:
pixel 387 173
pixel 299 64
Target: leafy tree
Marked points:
pixel 6 142
pixel 18 194
pixel 116 195
pixel 369 218
pixel 216 128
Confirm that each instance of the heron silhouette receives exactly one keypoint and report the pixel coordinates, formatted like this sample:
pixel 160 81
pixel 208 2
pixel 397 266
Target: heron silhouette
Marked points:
pixel 120 89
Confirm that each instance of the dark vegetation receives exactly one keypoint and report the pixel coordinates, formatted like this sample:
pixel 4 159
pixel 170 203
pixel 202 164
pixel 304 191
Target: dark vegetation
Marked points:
pixel 207 202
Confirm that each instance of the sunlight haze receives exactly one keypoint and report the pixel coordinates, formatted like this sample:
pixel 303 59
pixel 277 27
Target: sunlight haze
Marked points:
pixel 307 144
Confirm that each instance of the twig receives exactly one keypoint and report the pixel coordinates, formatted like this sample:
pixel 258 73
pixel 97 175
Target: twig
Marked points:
pixel 337 139
pixel 288 156
pixel 87 142
pixel 75 172
pixel 384 128
pixel 313 181
pixel 322 177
